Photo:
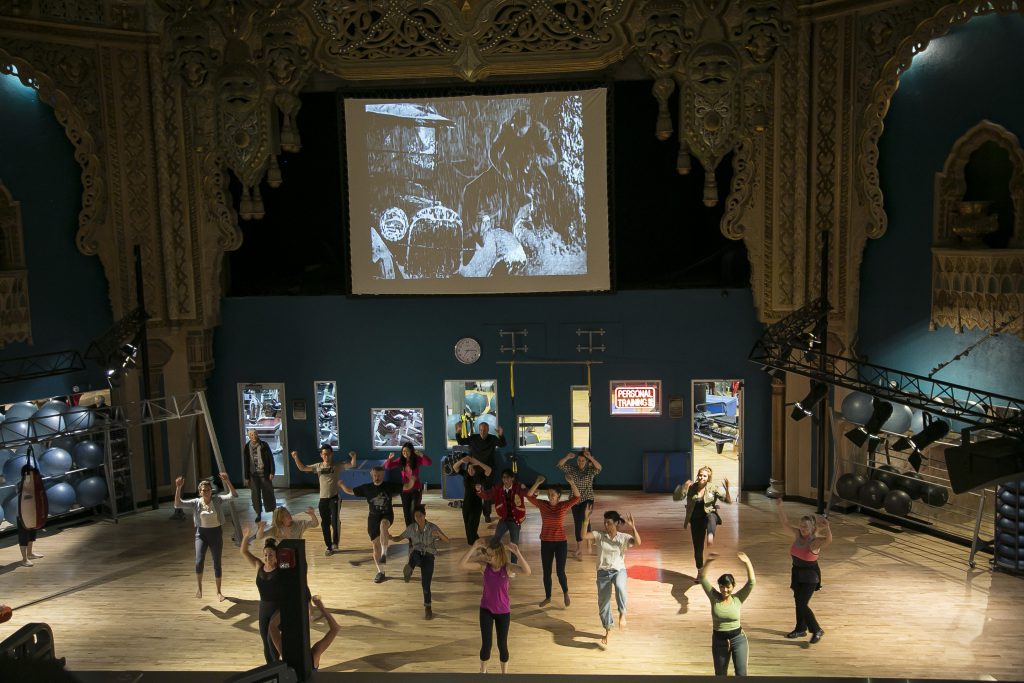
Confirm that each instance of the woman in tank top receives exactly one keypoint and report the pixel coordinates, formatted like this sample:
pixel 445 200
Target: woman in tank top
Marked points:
pixel 208 516
pixel 806 576
pixel 493 561
pixel 268 585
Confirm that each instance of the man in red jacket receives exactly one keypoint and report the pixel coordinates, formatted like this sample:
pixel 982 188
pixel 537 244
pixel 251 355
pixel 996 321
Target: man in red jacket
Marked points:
pixel 509 498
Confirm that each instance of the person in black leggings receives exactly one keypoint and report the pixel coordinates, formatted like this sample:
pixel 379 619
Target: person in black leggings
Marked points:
pixel 473 473
pixel 267 584
pixel 806 575
pixel 702 511
pixel 208 516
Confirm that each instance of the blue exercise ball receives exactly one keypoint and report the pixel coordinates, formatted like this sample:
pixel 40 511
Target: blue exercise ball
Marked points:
pixel 65 442
pixel 79 418
pixel 60 497
pixel 11 507
pixel 21 411
pixel 450 425
pixel 15 429
pixel 12 468
pixel 476 402
pixel 5 455
pixel 88 454
pixel 857 407
pixel 491 420
pixel 49 419
pixel 91 491
pixel 899 421
pixel 55 462
pixel 916 420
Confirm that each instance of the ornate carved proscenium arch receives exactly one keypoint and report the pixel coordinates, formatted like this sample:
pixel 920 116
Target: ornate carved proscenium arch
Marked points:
pixel 93 212
pixel 881 96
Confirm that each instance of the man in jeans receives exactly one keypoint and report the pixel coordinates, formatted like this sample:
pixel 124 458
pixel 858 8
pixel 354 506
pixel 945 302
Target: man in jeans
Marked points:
pixel 258 473
pixel 509 499
pixel 328 472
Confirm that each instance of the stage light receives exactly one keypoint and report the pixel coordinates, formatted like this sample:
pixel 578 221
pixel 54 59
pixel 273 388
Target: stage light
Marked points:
pixel 805 407
pixel 918 442
pixel 881 410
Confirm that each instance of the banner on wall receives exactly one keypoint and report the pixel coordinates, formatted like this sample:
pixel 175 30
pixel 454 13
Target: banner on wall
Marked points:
pixel 635 397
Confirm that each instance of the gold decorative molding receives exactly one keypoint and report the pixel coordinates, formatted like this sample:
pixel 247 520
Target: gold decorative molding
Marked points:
pixel 15 316
pixel 977 288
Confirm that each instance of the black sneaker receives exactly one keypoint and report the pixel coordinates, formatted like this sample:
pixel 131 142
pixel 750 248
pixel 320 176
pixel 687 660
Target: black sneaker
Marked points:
pixel 328 552
pixel 379 578
pixel 427 612
pixel 796 633
pixel 407 572
pixel 818 635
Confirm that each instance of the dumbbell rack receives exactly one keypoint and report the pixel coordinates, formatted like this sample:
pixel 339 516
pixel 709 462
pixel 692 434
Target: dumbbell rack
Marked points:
pixel 963 517
pixel 1008 545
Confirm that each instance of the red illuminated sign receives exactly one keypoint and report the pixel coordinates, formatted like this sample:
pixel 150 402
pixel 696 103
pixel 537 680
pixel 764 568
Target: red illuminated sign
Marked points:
pixel 636 397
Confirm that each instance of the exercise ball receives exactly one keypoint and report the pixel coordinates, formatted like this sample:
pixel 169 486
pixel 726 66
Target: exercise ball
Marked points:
pixel 1007 496
pixel 11 508
pixel 1013 486
pixel 451 422
pixel 55 462
pixel 899 421
pixel 5 455
pixel 88 454
pixel 493 403
pixel 873 493
pixel 476 402
pixel 91 491
pixel 13 430
pixel 935 495
pixel 490 420
pixel 857 407
pixel 887 474
pixel 65 442
pixel 21 411
pixel 848 485
pixel 916 420
pixel 60 497
pixel 897 503
pixel 79 418
pixel 49 419
pixel 12 468
pixel 911 483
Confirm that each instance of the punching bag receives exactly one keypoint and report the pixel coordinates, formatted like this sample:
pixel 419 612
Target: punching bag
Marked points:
pixel 32 506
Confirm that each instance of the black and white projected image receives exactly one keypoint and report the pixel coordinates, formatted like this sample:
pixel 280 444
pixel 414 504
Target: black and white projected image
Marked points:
pixel 392 427
pixel 476 187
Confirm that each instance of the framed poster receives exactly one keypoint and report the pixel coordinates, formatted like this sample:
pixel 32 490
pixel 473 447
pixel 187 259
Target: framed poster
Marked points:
pixel 392 427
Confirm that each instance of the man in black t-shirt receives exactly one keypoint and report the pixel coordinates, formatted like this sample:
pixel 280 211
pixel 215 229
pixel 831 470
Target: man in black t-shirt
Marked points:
pixel 482 447
pixel 473 472
pixel 378 495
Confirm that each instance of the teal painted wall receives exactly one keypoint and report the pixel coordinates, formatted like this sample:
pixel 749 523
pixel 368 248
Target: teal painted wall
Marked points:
pixel 975 72
pixel 397 352
pixel 67 290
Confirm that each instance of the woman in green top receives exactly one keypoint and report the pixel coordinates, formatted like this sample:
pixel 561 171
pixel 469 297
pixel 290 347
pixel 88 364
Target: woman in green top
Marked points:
pixel 727 638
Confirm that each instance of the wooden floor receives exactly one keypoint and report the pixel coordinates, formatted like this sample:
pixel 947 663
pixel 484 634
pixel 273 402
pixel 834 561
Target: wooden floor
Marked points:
pixel 120 596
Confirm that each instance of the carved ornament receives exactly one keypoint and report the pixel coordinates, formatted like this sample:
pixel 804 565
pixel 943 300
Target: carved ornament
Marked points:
pixel 15 317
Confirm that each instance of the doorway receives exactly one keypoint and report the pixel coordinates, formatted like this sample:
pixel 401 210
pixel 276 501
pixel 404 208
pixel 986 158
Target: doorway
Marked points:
pixel 717 429
pixel 261 407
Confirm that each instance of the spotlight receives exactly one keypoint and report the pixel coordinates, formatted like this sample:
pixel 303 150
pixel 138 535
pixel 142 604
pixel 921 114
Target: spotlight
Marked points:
pixel 918 442
pixel 805 407
pixel 880 413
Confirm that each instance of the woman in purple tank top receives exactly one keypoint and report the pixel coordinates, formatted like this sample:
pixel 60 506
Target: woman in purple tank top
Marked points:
pixel 493 561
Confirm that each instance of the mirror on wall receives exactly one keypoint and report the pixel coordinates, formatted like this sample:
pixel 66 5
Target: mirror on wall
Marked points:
pixel 262 407
pixel 717 429
pixel 534 432
pixel 467 402
pixel 326 393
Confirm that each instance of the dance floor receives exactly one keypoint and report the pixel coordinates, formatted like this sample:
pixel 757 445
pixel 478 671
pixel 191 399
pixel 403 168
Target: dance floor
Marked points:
pixel 893 604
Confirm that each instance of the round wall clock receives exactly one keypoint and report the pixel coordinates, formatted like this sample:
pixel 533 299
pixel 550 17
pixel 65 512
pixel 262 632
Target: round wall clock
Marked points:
pixel 467 350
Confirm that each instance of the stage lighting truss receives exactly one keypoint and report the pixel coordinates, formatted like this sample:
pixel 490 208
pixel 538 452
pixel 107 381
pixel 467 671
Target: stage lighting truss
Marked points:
pixel 784 346
pixel 40 365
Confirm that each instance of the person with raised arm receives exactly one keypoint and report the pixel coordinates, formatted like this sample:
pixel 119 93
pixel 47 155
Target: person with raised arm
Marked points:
pixel 378 494
pixel 509 499
pixel 727 637
pixel 330 503
pixel 611 567
pixel 807 544
pixel 482 446
pixel 554 546
pixel 269 586
pixel 283 525
pixel 474 473
pixel 208 516
pixel 580 468
pixel 423 537
pixel 319 647
pixel 701 515
pixel 493 561
pixel 409 462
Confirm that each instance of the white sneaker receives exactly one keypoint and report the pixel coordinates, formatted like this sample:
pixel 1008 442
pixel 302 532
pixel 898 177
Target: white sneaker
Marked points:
pixel 27 563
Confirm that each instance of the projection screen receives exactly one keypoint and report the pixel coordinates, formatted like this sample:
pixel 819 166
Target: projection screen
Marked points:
pixel 478 194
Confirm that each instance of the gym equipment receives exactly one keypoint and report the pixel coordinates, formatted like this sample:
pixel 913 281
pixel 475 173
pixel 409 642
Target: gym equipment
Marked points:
pixel 899 421
pixel 91 491
pixel 33 507
pixel 13 430
pixel 79 418
pixel 450 425
pixel 55 462
pixel 476 402
pixel 873 493
pixel 1010 525
pixel 21 411
pixel 897 503
pixel 912 483
pixel 61 497
pixel 12 468
pixel 935 495
pixel 982 463
pixel 848 485
pixel 88 454
pixel 856 407
pixel 887 474
pixel 5 455
pixel 11 507
pixel 49 419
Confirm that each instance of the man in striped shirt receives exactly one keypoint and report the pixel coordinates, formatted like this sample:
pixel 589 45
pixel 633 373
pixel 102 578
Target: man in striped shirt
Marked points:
pixel 553 543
